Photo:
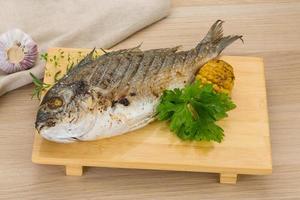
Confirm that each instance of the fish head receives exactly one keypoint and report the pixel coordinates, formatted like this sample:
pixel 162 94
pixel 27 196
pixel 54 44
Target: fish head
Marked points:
pixel 65 112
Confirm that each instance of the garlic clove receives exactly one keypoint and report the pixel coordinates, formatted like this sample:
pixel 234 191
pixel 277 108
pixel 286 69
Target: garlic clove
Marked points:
pixel 17 51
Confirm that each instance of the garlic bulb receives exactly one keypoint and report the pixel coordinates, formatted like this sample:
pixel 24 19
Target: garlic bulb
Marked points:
pixel 17 51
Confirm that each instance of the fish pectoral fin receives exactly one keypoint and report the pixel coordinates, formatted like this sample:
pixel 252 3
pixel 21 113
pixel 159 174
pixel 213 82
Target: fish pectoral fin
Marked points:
pixel 138 124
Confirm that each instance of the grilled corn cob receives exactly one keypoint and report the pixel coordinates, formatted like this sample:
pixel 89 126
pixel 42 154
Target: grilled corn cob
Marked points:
pixel 219 74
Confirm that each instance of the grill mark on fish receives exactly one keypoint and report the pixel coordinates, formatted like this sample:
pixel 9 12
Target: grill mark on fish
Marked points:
pixel 164 57
pixel 131 71
pixel 180 60
pixel 100 72
pixel 172 65
pixel 107 78
pixel 191 55
pixel 167 66
pixel 99 66
pixel 155 66
pixel 147 69
pixel 121 71
pixel 138 78
pixel 154 74
pixel 168 59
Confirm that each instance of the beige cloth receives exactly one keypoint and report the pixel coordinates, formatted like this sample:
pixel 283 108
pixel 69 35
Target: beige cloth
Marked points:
pixel 77 23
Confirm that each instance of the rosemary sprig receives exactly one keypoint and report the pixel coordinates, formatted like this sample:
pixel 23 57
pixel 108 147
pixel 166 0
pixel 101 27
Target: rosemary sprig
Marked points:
pixel 105 52
pixel 70 66
pixel 56 76
pixel 56 60
pixel 39 86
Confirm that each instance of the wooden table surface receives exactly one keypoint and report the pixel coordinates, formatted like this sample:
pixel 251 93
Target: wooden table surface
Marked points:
pixel 271 30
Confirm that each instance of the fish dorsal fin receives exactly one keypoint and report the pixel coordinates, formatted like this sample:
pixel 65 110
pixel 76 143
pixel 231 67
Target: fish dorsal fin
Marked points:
pixel 137 48
pixel 88 58
pixel 175 49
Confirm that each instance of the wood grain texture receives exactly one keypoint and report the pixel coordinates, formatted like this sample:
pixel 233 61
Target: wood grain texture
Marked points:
pixel 228 178
pixel 245 149
pixel 271 30
pixel 74 170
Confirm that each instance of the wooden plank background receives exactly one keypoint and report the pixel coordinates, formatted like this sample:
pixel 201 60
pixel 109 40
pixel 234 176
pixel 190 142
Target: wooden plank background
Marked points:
pixel 271 29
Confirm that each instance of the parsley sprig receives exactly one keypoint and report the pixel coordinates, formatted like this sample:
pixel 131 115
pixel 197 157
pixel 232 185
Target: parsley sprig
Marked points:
pixel 193 111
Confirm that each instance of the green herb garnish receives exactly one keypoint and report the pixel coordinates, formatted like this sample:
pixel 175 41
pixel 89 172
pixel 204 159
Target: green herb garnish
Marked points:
pixel 56 60
pixel 70 66
pixel 105 52
pixel 44 56
pixel 194 110
pixel 39 86
pixel 56 76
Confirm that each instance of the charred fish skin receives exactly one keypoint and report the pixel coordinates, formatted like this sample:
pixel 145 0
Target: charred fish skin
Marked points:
pixel 119 91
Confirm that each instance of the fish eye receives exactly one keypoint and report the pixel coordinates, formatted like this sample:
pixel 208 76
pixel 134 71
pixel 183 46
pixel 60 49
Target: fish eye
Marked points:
pixel 55 102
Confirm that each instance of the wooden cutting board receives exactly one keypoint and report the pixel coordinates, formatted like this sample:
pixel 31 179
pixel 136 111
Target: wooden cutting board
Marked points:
pixel 245 149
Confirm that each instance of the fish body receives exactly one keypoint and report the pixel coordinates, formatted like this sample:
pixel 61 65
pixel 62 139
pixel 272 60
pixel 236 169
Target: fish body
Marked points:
pixel 119 91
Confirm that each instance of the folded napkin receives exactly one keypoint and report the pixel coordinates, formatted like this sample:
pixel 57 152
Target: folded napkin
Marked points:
pixel 80 24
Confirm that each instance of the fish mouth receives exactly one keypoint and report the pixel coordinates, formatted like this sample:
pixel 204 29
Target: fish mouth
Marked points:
pixel 60 140
pixel 64 132
pixel 44 120
pixel 39 126
pixel 54 138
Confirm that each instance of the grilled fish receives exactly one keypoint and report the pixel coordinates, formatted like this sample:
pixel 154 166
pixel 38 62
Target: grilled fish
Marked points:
pixel 118 92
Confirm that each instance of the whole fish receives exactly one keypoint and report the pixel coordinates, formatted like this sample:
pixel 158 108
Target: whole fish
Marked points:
pixel 119 91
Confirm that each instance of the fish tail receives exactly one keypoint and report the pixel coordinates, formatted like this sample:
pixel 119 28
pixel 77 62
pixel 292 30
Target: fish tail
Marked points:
pixel 214 42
